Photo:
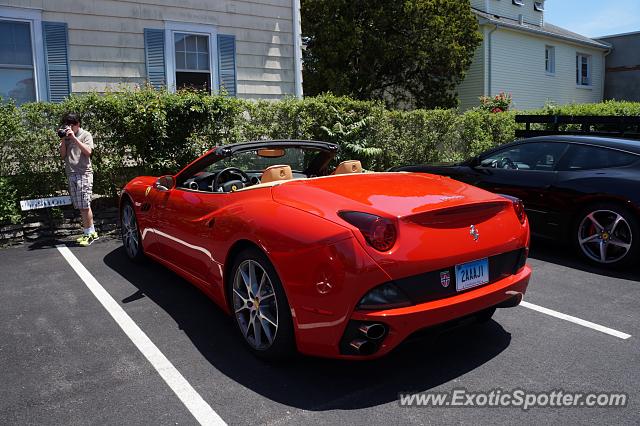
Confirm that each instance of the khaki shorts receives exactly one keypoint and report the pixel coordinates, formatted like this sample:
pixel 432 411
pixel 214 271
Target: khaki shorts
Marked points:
pixel 81 189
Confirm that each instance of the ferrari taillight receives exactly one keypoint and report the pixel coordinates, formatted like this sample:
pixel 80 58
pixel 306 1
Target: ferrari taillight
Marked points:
pixel 379 232
pixel 518 207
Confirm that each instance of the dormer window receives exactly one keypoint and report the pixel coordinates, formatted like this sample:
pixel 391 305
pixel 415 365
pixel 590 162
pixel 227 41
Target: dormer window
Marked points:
pixel 518 2
pixel 538 6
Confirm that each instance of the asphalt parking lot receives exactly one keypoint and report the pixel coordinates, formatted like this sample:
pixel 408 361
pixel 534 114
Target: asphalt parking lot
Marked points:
pixel 66 360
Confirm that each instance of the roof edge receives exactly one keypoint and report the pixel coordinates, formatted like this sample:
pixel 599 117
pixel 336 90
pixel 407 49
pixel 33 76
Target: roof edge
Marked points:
pixel 617 35
pixel 595 44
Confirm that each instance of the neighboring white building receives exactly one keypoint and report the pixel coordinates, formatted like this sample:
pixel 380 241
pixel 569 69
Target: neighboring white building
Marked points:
pixel 49 49
pixel 536 62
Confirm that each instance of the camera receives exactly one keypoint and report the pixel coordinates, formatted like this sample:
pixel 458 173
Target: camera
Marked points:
pixel 62 132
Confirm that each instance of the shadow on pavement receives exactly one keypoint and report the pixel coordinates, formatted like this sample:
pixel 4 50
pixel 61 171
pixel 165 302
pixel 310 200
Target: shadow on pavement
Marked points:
pixel 565 255
pixel 49 243
pixel 305 382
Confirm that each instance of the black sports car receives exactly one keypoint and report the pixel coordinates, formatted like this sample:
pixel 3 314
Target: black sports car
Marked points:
pixel 580 189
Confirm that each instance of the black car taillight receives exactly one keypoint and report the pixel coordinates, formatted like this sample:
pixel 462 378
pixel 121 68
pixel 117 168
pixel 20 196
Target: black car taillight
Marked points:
pixel 379 232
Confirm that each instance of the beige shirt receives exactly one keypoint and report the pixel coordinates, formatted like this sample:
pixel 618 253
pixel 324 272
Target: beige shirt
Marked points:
pixel 75 162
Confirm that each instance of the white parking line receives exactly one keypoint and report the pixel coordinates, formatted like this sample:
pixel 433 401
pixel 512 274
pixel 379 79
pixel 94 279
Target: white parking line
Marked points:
pixel 576 320
pixel 198 407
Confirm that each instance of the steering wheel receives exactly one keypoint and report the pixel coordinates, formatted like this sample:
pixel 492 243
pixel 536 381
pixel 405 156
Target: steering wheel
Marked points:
pixel 215 186
pixel 506 163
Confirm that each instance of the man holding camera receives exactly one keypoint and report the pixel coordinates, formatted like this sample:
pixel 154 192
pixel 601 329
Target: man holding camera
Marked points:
pixel 76 146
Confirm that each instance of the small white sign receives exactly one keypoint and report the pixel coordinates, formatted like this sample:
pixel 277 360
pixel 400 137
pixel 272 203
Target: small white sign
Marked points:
pixel 42 203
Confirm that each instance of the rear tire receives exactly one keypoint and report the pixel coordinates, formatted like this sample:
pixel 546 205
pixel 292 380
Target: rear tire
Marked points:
pixel 130 231
pixel 259 306
pixel 607 234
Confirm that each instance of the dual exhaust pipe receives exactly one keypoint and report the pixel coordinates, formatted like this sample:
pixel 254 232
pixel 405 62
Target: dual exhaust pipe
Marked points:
pixel 371 333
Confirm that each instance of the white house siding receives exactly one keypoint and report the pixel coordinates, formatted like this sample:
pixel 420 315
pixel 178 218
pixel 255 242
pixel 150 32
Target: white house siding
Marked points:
pixel 507 9
pixel 479 4
pixel 106 45
pixel 32 4
pixel 518 67
pixel 473 85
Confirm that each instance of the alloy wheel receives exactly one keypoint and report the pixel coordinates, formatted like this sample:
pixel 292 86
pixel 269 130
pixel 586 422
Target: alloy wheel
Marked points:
pixel 130 235
pixel 605 236
pixel 255 304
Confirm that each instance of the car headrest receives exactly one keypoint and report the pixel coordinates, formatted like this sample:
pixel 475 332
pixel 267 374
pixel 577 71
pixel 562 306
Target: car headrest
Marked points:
pixel 348 166
pixel 277 172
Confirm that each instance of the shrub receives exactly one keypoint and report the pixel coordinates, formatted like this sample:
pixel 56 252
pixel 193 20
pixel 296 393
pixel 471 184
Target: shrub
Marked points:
pixel 495 104
pixel 606 108
pixel 9 211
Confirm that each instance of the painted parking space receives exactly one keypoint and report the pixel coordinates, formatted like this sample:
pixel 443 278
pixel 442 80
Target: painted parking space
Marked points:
pixel 192 400
pixel 575 320
pixel 521 348
pixel 566 283
pixel 61 360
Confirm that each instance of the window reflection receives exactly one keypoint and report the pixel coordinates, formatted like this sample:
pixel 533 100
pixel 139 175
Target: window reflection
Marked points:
pixel 192 61
pixel 16 62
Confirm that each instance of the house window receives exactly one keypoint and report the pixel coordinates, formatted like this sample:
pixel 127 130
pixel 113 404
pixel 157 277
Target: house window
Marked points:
pixel 538 6
pixel 17 71
pixel 190 55
pixel 550 59
pixel 583 70
pixel 518 2
pixel 192 60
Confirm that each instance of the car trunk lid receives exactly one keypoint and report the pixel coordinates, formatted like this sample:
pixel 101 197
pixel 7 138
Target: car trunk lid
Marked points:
pixel 433 216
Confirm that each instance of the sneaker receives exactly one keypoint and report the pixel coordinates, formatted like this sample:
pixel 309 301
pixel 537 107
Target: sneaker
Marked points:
pixel 86 240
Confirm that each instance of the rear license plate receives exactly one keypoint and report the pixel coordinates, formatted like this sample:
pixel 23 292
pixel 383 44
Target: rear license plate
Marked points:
pixel 472 274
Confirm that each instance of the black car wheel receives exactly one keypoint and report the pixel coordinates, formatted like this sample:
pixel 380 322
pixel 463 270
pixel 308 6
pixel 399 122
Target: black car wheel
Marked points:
pixel 131 239
pixel 607 234
pixel 260 308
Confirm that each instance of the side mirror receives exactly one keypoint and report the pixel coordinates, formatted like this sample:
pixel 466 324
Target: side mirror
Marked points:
pixel 164 183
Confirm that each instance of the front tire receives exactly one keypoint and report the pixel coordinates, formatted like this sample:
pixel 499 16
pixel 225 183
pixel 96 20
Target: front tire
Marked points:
pixel 607 234
pixel 261 312
pixel 131 239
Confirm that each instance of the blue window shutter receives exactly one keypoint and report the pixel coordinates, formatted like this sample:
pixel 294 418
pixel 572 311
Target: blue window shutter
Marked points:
pixel 227 63
pixel 56 47
pixel 154 57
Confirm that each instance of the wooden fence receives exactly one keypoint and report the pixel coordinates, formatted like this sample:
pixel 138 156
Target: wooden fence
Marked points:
pixel 591 125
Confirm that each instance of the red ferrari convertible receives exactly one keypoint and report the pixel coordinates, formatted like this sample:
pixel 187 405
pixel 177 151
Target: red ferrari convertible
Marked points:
pixel 332 262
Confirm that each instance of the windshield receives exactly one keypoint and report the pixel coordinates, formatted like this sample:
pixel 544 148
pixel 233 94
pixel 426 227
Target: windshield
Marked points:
pixel 298 158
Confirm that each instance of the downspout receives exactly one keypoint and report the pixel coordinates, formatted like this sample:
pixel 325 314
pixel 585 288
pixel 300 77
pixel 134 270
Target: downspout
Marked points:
pixel 297 49
pixel 604 71
pixel 489 43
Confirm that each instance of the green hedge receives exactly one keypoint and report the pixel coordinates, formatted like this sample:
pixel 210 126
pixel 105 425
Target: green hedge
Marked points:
pixel 611 108
pixel 620 108
pixel 151 132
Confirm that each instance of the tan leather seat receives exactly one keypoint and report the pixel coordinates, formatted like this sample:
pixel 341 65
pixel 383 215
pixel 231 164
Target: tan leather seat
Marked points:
pixel 348 166
pixel 274 173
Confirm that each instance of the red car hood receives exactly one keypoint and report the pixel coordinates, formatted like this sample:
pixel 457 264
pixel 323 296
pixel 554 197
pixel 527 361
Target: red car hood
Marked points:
pixel 386 194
